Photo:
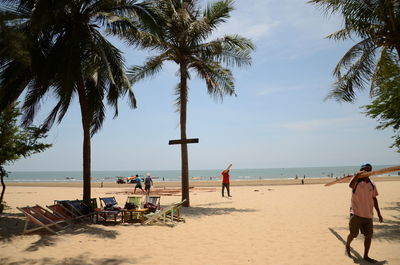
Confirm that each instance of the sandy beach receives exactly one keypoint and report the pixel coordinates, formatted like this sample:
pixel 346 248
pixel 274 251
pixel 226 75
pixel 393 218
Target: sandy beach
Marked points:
pixel 263 223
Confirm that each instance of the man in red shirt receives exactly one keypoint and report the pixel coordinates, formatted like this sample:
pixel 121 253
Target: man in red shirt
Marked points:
pixel 225 180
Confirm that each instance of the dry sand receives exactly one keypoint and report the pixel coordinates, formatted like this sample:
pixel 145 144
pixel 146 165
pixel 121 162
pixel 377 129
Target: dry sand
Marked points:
pixel 260 224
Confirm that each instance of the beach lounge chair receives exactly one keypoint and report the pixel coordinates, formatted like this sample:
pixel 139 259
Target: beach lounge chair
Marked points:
pixel 133 209
pixel 78 208
pixel 135 200
pixel 169 214
pixel 108 202
pixel 60 210
pixel 109 209
pixel 34 216
pixel 153 200
pixel 175 214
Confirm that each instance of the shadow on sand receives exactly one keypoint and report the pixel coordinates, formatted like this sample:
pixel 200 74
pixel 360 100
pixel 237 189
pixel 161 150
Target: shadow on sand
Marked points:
pixel 357 258
pixel 79 260
pixel 207 210
pixel 12 225
pixel 47 239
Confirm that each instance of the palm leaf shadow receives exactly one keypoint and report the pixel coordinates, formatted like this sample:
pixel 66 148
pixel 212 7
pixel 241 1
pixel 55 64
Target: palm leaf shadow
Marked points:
pixel 358 259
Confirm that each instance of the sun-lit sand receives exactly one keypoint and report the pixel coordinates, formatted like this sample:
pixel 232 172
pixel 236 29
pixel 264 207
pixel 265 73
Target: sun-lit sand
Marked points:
pixel 260 224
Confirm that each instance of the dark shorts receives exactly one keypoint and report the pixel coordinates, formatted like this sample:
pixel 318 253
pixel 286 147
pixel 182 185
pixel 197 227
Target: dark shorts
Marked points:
pixel 365 225
pixel 147 187
pixel 138 186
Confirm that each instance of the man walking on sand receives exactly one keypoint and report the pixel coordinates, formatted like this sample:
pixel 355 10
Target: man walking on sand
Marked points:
pixel 225 180
pixel 363 202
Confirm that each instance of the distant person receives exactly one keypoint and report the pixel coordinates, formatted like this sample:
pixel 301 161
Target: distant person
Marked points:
pixel 225 180
pixel 363 202
pixel 148 182
pixel 138 184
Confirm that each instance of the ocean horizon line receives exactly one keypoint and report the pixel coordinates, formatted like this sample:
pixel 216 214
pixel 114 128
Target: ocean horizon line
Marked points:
pixel 194 174
pixel 197 169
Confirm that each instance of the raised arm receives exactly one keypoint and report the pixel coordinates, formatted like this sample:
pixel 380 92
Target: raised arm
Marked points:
pixel 358 175
pixel 229 167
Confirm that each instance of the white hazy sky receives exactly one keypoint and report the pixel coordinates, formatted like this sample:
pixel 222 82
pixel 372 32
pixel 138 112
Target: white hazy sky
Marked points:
pixel 279 118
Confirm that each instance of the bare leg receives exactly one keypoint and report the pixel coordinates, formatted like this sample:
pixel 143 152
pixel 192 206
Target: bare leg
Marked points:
pixel 367 245
pixel 348 242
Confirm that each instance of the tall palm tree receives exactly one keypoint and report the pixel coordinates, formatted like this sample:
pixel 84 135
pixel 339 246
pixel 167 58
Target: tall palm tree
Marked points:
pixel 182 37
pixel 66 55
pixel 376 24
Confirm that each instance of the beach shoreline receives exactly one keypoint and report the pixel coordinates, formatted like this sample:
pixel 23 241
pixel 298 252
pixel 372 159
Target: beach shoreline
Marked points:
pixel 194 183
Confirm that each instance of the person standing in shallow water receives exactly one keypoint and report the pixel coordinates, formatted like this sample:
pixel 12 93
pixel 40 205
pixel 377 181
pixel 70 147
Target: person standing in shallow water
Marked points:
pixel 363 202
pixel 225 180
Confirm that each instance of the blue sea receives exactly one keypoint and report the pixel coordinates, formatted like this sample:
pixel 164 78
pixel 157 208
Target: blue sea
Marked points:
pixel 194 175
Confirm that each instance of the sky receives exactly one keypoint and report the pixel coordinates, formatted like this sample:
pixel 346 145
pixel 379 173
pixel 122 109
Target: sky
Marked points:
pixel 279 119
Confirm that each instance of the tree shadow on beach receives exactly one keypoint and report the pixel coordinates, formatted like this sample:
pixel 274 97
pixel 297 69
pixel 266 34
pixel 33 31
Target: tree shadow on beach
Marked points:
pixel 47 239
pixel 79 260
pixel 395 207
pixel 390 228
pixel 198 211
pixel 357 258
pixel 11 224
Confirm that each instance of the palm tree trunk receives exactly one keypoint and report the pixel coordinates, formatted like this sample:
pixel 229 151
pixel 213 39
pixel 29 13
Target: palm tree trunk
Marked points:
pixel 2 175
pixel 398 51
pixel 86 143
pixel 184 150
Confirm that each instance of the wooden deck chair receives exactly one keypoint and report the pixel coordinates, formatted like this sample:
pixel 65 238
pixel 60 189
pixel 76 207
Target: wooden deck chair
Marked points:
pixel 133 203
pixel 167 215
pixel 49 215
pixel 153 200
pixel 109 209
pixel 135 200
pixel 78 208
pixel 41 221
pixel 175 214
pixel 107 202
pixel 60 210
pixel 92 203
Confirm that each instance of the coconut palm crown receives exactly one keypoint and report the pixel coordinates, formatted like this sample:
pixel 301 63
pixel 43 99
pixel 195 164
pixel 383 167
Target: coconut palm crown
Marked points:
pixel 183 37
pixel 375 24
pixel 62 52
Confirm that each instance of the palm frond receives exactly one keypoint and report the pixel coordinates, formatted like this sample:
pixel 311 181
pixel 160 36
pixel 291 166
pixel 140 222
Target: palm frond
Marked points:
pixel 152 66
pixel 218 12
pixel 219 80
pixel 230 50
pixel 357 76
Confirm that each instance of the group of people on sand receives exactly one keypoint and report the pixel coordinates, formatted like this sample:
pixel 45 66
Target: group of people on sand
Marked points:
pixel 363 201
pixel 148 182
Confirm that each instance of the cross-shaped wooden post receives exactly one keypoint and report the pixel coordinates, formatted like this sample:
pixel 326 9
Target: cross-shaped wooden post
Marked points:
pixel 185 177
pixel 184 141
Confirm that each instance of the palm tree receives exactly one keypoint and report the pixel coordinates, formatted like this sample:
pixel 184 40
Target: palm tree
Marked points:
pixel 376 24
pixel 182 37
pixel 67 56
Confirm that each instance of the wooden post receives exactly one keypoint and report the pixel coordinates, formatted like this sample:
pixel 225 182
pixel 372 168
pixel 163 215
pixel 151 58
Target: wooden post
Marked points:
pixel 184 141
pixel 185 170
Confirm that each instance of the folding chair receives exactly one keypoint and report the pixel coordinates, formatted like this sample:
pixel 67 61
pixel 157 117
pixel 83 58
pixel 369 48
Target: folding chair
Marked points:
pixel 109 208
pixel 60 210
pixel 34 216
pixel 153 200
pixel 166 215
